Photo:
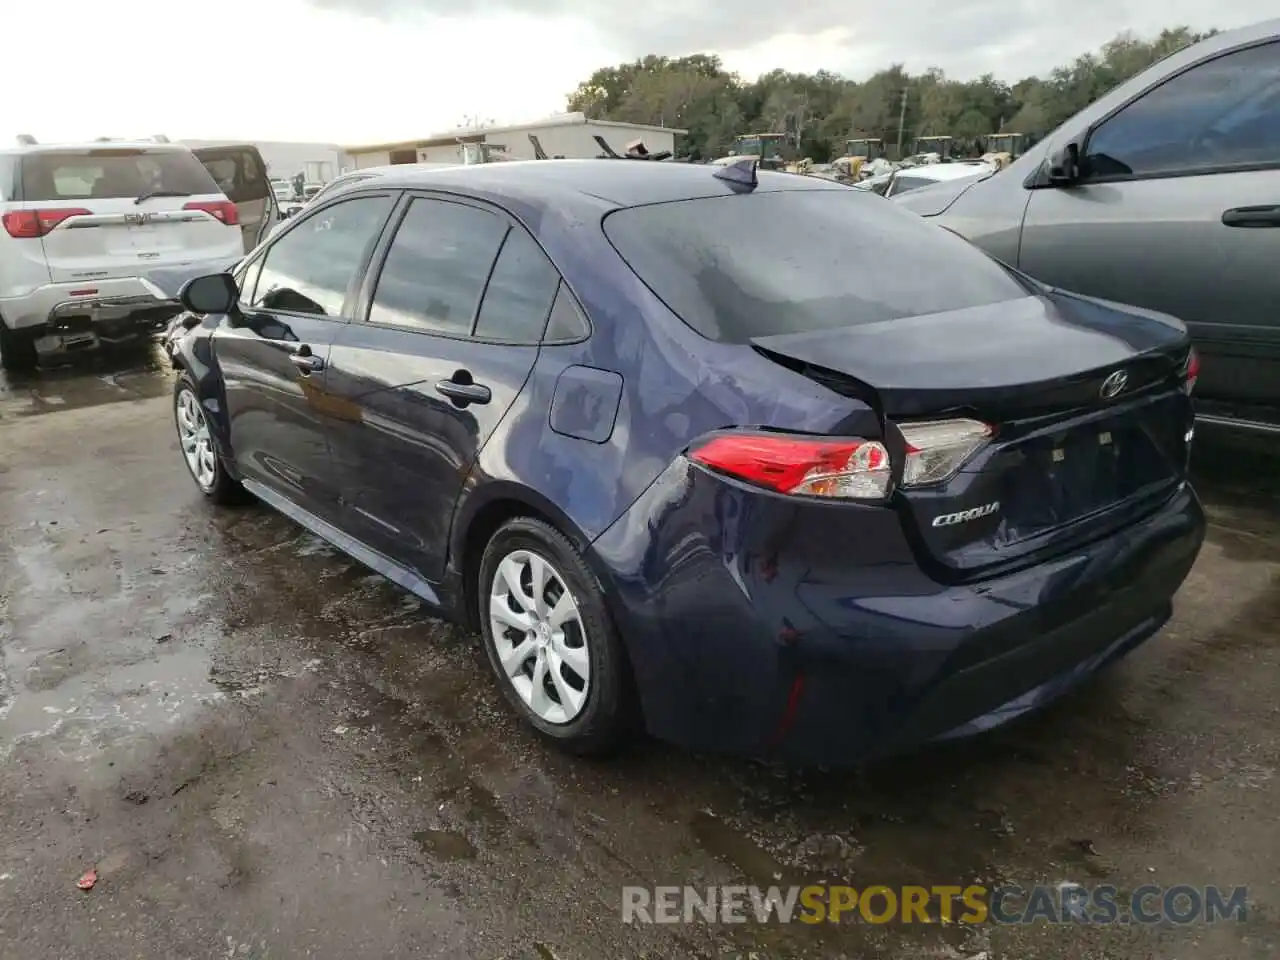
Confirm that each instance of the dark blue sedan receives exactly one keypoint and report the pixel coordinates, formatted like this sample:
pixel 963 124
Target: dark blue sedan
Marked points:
pixel 754 462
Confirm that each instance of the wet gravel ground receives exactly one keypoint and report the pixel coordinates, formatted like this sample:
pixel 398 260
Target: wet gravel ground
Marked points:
pixel 267 751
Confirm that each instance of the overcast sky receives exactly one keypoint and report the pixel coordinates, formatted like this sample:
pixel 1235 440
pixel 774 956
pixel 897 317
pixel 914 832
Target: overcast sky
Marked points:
pixel 352 71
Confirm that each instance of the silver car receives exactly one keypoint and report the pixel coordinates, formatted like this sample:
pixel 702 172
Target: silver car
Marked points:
pixel 1164 193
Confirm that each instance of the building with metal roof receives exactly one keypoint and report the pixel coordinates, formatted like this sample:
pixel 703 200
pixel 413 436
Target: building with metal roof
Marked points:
pixel 569 135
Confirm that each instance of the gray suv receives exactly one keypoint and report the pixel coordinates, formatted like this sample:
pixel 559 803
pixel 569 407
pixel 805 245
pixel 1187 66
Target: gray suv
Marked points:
pixel 1164 193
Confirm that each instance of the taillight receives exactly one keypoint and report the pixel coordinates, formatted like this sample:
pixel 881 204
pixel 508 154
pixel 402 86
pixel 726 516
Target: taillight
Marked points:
pixel 32 224
pixel 938 448
pixel 223 210
pixel 805 466
pixel 1190 371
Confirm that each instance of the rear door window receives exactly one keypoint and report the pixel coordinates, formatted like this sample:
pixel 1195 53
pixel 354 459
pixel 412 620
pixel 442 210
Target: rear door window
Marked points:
pixel 743 266
pixel 112 174
pixel 521 288
pixel 436 268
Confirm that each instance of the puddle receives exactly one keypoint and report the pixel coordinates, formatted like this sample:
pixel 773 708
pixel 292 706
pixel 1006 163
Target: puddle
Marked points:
pixel 445 845
pixel 85 713
pixel 88 380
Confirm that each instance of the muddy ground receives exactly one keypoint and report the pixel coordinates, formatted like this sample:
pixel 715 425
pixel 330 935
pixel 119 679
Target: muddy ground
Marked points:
pixel 267 751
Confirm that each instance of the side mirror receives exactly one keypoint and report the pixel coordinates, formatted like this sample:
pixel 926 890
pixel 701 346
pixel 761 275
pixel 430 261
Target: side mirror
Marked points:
pixel 1064 165
pixel 215 293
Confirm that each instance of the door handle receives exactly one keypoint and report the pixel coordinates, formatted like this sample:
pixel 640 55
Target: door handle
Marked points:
pixel 462 393
pixel 1255 217
pixel 306 361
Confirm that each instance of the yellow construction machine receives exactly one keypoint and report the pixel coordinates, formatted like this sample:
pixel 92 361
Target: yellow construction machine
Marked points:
pixel 1003 148
pixel 858 152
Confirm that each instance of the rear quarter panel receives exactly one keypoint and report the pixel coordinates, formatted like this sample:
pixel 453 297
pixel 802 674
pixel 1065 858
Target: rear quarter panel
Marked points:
pixel 675 386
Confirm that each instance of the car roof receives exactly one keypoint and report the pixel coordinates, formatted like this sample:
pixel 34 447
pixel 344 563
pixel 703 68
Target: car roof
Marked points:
pixel 149 145
pixel 946 171
pixel 615 183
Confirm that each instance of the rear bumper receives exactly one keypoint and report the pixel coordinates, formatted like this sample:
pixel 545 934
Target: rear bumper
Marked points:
pixel 68 316
pixel 109 300
pixel 758 628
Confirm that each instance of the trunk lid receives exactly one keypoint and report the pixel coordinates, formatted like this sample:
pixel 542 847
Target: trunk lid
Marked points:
pixel 118 238
pixel 1068 458
pixel 118 210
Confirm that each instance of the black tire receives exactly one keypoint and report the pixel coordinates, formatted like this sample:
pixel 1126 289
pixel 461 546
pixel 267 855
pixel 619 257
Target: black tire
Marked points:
pixel 608 718
pixel 222 489
pixel 17 350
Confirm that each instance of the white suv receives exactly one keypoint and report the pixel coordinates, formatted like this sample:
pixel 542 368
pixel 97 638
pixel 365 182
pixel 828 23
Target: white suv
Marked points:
pixel 82 223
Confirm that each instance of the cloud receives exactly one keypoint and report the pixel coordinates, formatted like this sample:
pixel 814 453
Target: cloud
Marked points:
pixel 1011 38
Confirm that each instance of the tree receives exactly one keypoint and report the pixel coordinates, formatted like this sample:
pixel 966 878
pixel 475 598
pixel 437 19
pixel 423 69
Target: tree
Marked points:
pixel 819 111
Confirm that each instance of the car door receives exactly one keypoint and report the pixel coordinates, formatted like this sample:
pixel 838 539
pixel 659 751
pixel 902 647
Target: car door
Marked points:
pixel 1178 209
pixel 451 318
pixel 295 297
pixel 241 173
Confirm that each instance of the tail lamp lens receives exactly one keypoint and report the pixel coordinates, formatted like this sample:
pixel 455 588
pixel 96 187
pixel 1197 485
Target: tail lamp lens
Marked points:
pixel 842 469
pixel 32 224
pixel 937 449
pixel 223 210
pixel 1190 371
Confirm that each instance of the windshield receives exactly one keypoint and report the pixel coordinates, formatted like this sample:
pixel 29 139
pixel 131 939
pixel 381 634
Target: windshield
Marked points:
pixel 113 173
pixel 906 184
pixel 738 267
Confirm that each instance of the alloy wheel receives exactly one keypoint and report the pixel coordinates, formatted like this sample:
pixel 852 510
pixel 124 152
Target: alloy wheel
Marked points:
pixel 539 637
pixel 197 443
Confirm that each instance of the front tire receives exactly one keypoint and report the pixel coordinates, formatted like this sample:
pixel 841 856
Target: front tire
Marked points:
pixel 17 350
pixel 550 640
pixel 199 451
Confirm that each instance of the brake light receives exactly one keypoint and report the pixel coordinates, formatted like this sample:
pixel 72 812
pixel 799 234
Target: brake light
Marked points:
pixel 938 448
pixel 805 466
pixel 223 210
pixel 1190 371
pixel 32 224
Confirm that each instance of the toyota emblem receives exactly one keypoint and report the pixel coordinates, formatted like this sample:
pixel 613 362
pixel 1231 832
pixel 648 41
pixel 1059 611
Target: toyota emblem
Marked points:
pixel 1114 385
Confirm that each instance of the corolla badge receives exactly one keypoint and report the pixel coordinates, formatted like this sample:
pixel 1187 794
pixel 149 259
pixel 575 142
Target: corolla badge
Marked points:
pixel 964 516
pixel 1114 385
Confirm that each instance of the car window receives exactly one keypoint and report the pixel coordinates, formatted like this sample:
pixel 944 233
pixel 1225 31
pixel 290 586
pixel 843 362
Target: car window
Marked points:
pixel 309 269
pixel 1218 115
pixel 247 280
pixel 792 261
pixel 520 291
pixel 436 267
pixel 237 171
pixel 904 184
pixel 567 322
pixel 112 173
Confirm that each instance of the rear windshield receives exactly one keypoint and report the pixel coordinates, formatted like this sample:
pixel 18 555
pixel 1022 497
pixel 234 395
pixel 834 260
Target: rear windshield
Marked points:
pixel 738 267
pixel 112 174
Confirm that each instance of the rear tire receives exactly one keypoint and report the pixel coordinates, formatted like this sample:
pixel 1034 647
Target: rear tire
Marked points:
pixel 199 452
pixel 17 350
pixel 555 653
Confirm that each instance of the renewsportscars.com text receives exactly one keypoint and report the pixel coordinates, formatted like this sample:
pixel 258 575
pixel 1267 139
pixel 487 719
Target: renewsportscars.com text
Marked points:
pixel 1009 904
